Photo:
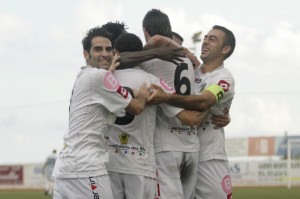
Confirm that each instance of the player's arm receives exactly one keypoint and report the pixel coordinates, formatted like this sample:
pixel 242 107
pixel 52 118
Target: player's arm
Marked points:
pixel 137 104
pixel 128 59
pixel 203 102
pixel 192 118
pixel 220 121
pixel 160 41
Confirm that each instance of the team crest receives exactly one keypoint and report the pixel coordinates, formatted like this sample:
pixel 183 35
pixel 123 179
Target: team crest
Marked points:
pixel 124 138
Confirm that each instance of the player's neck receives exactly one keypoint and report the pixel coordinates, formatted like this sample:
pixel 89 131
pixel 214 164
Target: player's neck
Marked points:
pixel 210 66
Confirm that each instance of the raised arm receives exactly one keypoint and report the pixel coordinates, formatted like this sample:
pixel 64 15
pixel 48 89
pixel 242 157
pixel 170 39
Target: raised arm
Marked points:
pixel 128 59
pixel 160 41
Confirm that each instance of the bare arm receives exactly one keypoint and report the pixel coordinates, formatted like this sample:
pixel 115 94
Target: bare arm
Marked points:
pixel 160 41
pixel 220 121
pixel 128 59
pixel 193 102
pixel 137 104
pixel 192 118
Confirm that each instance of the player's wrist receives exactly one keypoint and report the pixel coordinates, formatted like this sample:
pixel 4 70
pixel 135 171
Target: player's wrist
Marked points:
pixel 216 90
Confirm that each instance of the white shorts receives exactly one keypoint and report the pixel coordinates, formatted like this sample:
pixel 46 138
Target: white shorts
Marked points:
pixel 176 174
pixel 213 180
pixel 83 188
pixel 132 186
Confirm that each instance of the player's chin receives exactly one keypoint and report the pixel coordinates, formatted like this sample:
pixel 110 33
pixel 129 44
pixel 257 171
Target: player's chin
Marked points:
pixel 104 66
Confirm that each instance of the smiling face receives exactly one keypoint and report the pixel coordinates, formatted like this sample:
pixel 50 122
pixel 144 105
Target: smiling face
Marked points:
pixel 213 46
pixel 101 53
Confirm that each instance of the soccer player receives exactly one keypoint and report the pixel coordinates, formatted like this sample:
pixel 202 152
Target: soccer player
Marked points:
pixel 177 38
pixel 211 80
pixel 176 146
pixel 47 170
pixel 96 98
pixel 131 163
pixel 129 59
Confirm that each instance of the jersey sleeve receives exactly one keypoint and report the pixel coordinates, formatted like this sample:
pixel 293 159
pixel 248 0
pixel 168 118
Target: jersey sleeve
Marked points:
pixel 226 81
pixel 108 92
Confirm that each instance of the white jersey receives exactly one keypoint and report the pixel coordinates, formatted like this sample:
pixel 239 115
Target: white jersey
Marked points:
pixel 212 141
pixel 96 94
pixel 131 148
pixel 49 165
pixel 170 135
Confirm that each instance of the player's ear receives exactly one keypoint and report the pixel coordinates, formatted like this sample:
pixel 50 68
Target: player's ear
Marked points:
pixel 226 49
pixel 146 34
pixel 86 55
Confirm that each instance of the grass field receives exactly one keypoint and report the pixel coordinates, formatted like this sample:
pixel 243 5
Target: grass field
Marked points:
pixel 238 193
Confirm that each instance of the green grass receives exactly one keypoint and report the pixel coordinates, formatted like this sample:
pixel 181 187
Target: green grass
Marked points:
pixel 238 193
pixel 23 195
pixel 266 193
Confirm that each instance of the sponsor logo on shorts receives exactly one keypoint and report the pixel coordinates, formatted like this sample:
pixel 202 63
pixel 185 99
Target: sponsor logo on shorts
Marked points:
pixel 93 187
pixel 225 85
pixel 226 185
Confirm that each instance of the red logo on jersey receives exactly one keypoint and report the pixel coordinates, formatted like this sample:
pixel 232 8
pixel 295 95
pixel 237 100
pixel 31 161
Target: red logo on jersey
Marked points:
pixel 166 86
pixel 123 92
pixel 110 82
pixel 225 85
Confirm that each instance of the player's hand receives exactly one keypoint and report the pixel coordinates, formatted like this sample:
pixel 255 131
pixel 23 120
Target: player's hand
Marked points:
pixel 114 63
pixel 143 92
pixel 158 95
pixel 195 61
pixel 170 54
pixel 220 121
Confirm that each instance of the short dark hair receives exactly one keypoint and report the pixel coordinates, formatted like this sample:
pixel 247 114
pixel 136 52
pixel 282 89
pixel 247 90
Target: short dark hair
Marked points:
pixel 115 28
pixel 229 38
pixel 128 42
pixel 175 34
pixel 94 32
pixel 156 22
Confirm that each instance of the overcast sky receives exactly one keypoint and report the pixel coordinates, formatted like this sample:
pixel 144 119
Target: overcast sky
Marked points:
pixel 41 53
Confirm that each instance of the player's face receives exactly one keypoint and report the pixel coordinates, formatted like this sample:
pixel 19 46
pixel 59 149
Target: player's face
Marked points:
pixel 212 46
pixel 101 53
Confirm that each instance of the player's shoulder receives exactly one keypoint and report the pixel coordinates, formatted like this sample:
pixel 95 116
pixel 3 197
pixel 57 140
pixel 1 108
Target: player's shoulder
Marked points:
pixel 136 71
pixel 92 71
pixel 222 72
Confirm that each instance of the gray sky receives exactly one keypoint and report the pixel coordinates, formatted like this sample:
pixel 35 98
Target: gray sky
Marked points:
pixel 41 53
